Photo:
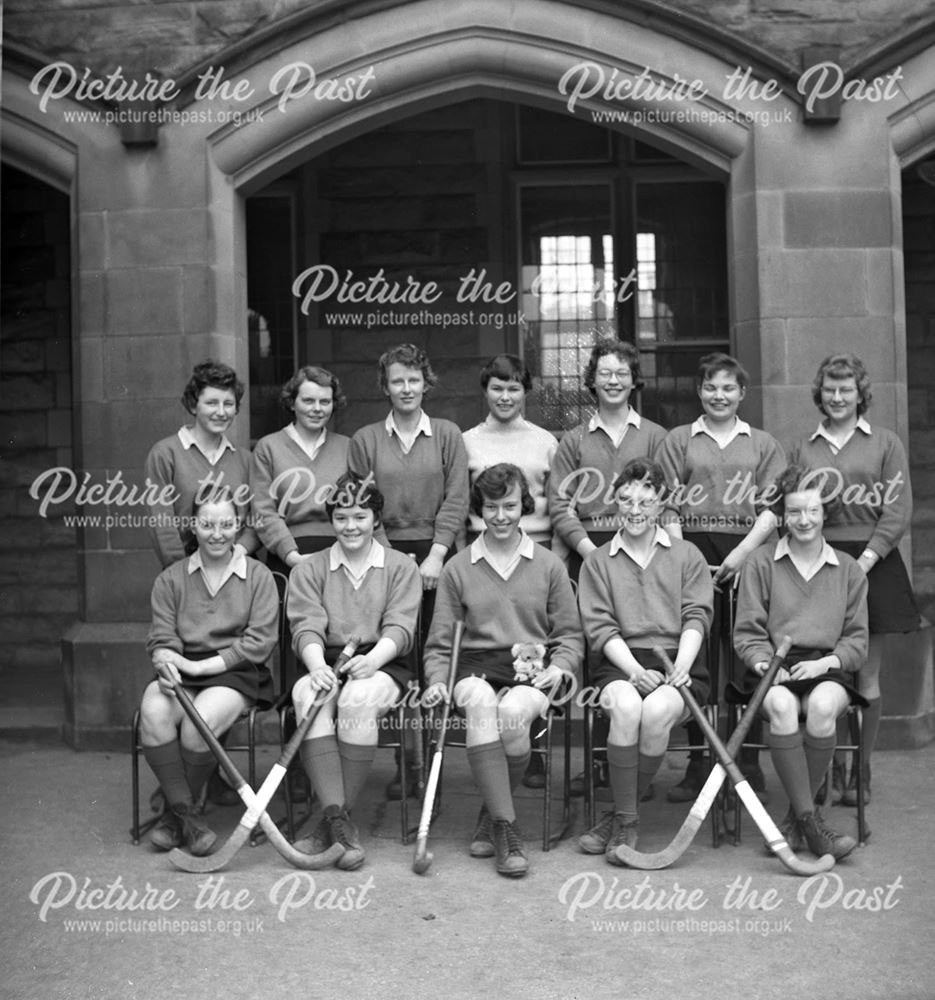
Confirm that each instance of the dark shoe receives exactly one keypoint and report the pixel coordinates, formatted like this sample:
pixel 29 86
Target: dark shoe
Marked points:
pixel 197 836
pixel 649 794
pixel 624 832
pixel 822 839
pixel 535 772
pixel 320 840
pixel 482 840
pixel 849 795
pixel 511 856
pixel 595 840
pixel 757 781
pixel 789 828
pixel 344 832
pixel 414 786
pixel 688 788
pixel 167 833
pixel 837 786
pixel 601 781
pixel 220 792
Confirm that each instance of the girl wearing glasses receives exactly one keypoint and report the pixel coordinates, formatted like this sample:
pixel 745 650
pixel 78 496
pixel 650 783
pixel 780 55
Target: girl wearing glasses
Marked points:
pixel 590 456
pixel 867 467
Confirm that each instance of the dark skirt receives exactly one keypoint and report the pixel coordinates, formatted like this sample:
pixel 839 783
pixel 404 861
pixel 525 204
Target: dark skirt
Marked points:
pixel 492 665
pixel 254 682
pixel 402 669
pixel 891 604
pixel 605 671
pixel 739 693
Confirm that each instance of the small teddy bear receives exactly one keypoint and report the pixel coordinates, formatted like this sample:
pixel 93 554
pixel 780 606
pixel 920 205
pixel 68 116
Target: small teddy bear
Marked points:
pixel 528 660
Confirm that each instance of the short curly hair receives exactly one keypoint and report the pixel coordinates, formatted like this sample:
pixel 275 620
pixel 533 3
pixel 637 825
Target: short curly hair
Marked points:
pixel 211 375
pixel 409 356
pixel 312 373
pixel 355 491
pixel 507 367
pixel 711 364
pixel 642 470
pixel 495 482
pixel 797 478
pixel 841 366
pixel 623 350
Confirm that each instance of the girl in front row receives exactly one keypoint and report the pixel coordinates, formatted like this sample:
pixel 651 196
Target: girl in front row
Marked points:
pixel 639 590
pixel 507 589
pixel 356 587
pixel 803 588
pixel 214 626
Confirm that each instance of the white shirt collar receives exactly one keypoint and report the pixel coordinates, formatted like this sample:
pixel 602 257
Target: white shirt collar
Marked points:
pixel 828 556
pixel 619 543
pixel 822 432
pixel 310 449
pixel 236 566
pixel 700 426
pixel 187 439
pixel 424 426
pixel 597 423
pixel 525 550
pixel 376 559
pixel 491 422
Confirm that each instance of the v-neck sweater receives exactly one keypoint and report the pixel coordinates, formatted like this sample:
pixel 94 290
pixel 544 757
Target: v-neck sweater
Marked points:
pixel 169 463
pixel 425 490
pixel 583 471
pixel 536 604
pixel 827 612
pixel 278 459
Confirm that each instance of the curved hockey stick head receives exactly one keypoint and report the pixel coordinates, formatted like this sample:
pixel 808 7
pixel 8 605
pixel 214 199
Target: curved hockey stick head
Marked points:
pixel 422 860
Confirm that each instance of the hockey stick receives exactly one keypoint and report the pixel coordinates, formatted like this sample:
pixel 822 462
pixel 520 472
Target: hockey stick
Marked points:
pixel 711 787
pixel 422 859
pixel 256 802
pixel 774 838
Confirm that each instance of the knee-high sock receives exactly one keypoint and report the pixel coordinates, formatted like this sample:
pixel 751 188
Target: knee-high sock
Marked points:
pixel 322 763
pixel 516 767
pixel 623 771
pixel 818 753
pixel 199 766
pixel 491 774
pixel 648 765
pixel 696 738
pixel 165 761
pixel 356 761
pixel 788 756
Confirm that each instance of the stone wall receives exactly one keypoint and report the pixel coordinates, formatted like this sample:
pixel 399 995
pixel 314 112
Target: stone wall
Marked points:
pixel 38 579
pixel 171 37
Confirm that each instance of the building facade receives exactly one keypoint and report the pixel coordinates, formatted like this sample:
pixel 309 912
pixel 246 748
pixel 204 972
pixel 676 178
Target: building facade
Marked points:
pixel 272 184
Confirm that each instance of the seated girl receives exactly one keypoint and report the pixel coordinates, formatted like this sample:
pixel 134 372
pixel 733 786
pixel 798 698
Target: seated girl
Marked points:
pixel 507 590
pixel 356 587
pixel 214 627
pixel 641 589
pixel 803 588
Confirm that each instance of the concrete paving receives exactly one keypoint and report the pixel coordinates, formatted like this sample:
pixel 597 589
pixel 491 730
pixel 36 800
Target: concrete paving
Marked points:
pixel 86 914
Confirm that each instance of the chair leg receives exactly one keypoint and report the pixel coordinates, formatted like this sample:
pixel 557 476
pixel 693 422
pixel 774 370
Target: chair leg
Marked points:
pixel 589 766
pixel 857 723
pixel 547 790
pixel 404 774
pixel 135 832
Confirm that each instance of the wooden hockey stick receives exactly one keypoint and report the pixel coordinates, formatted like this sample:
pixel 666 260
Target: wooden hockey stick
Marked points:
pixel 711 787
pixel 774 838
pixel 257 802
pixel 422 858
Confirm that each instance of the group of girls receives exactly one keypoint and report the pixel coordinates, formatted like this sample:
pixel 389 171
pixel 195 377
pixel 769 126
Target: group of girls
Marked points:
pixel 395 534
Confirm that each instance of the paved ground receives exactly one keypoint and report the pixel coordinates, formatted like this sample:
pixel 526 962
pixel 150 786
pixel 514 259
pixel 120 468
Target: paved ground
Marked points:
pixel 574 929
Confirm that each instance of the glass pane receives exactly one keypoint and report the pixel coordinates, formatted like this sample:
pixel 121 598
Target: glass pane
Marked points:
pixel 681 263
pixel 567 280
pixel 270 309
